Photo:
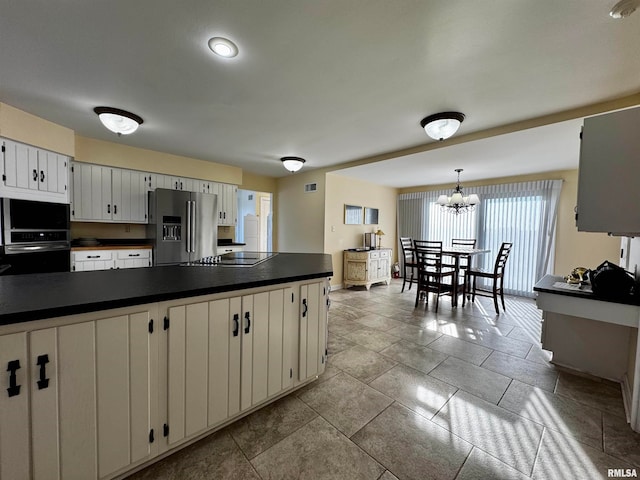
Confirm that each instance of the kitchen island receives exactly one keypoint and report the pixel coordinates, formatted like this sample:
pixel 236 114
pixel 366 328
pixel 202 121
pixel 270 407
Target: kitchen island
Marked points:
pixel 105 372
pixel 593 335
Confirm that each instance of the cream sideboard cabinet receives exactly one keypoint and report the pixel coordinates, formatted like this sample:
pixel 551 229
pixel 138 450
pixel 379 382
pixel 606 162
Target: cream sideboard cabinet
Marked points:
pixel 366 267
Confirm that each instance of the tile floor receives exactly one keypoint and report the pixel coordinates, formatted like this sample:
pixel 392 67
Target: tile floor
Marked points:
pixel 409 394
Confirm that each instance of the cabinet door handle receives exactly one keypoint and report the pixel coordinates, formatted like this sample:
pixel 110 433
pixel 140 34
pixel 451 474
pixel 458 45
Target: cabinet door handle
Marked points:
pixel 306 307
pixel 176 185
pixel 236 324
pixel 42 175
pixel 14 388
pixel 247 316
pixel 35 175
pixel 42 362
pixel 115 209
pixel 181 185
pixel 108 208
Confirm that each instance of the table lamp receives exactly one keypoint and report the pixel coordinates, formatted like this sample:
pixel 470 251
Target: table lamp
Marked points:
pixel 379 234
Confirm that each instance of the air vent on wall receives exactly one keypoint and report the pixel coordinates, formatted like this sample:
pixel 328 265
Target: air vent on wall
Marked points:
pixel 310 187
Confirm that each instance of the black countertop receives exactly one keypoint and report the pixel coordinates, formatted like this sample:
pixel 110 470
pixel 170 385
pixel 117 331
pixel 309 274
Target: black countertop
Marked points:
pixel 545 284
pixel 47 295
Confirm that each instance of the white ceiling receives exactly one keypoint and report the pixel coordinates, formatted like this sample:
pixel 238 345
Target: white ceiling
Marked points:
pixel 331 81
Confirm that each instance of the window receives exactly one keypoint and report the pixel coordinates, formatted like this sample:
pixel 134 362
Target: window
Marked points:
pixel 522 213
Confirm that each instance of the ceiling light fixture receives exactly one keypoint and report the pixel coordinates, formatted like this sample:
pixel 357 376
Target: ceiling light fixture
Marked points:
pixel 458 203
pixel 118 121
pixel 442 125
pixel 624 8
pixel 223 47
pixel 293 164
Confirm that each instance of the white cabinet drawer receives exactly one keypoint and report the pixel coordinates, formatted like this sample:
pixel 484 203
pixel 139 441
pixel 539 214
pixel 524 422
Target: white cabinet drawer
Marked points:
pixel 83 256
pixel 385 253
pixel 133 253
pixel 374 254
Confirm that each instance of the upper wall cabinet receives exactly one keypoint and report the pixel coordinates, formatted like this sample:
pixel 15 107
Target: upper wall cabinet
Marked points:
pixel 227 203
pixel 105 194
pixel 31 173
pixel 608 195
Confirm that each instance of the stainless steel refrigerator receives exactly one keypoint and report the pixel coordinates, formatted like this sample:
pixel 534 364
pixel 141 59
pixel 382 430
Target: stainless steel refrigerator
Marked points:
pixel 183 226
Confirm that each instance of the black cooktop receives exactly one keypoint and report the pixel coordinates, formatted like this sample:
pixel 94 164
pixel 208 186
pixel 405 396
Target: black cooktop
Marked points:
pixel 244 258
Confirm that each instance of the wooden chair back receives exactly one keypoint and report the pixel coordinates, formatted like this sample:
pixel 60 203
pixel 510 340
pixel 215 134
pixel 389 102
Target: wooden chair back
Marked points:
pixel 501 259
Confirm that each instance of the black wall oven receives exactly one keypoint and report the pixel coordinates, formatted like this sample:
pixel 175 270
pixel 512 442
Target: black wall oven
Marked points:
pixel 35 237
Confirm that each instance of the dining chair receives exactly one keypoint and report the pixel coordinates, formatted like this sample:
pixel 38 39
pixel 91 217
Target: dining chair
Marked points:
pixel 409 261
pixel 496 276
pixel 464 261
pixel 431 272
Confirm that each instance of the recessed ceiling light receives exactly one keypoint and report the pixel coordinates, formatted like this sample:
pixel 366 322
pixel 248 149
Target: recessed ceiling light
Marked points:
pixel 223 47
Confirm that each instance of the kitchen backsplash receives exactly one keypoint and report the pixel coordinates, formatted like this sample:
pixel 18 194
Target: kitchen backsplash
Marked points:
pixel 125 230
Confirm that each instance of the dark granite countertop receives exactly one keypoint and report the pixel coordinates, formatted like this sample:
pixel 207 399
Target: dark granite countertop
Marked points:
pixel 545 284
pixel 47 295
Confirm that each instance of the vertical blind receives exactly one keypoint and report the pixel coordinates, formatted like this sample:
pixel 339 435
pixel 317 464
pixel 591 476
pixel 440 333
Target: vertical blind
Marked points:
pixel 523 213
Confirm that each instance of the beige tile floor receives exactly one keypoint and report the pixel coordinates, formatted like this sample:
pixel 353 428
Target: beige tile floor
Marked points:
pixel 410 394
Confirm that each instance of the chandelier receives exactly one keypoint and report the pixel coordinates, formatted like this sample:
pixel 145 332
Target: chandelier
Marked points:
pixel 458 202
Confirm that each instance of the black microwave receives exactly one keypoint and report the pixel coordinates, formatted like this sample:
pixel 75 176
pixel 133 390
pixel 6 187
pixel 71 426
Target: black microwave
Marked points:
pixel 26 221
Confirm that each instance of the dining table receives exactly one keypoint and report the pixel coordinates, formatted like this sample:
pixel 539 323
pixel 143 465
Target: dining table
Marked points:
pixel 457 252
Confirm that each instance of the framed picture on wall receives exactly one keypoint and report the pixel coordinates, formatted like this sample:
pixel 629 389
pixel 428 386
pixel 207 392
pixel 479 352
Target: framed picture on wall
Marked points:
pixel 352 214
pixel 370 216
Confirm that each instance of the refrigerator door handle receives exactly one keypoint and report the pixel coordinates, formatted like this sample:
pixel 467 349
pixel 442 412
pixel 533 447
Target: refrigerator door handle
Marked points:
pixel 193 226
pixel 189 226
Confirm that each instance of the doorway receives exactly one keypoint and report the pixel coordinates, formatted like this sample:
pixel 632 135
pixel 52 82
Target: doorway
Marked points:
pixel 255 220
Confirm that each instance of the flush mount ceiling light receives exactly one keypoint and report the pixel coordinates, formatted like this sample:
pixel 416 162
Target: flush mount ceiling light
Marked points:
pixel 118 121
pixel 293 164
pixel 442 125
pixel 458 202
pixel 223 47
pixel 624 8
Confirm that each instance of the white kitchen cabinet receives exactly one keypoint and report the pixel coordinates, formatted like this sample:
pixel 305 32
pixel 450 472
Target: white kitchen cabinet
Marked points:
pixel 106 259
pixel 14 408
pixel 174 183
pixel 222 249
pixel 313 330
pixel 366 268
pixel 609 163
pixel 129 196
pixel 31 173
pixel 89 260
pixel 133 258
pixel 227 203
pixel 91 397
pixel 105 194
pixel 226 356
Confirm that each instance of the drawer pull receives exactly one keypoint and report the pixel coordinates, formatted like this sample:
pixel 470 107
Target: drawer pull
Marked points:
pixel 42 363
pixel 134 254
pixel 12 368
pixel 93 256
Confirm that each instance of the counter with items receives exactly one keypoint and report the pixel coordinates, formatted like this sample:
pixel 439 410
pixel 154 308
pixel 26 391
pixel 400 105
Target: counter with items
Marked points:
pixel 593 335
pixel 105 372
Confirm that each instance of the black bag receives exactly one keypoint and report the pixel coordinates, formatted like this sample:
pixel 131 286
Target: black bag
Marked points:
pixel 612 281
